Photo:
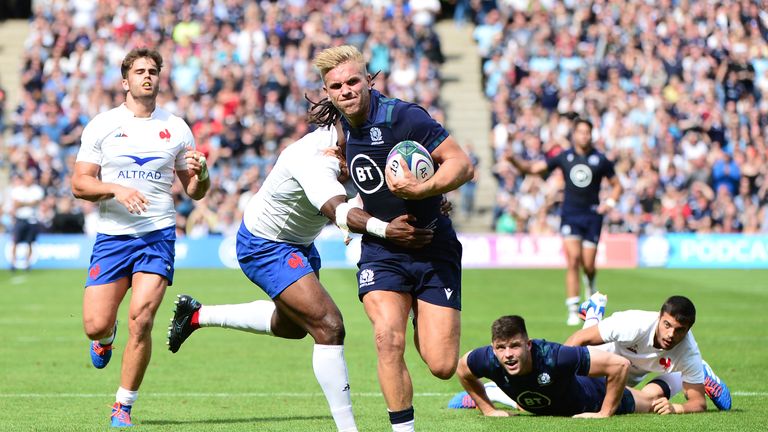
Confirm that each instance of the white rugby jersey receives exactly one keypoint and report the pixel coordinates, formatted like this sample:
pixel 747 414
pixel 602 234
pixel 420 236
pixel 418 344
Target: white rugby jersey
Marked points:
pixel 630 334
pixel 286 207
pixel 140 153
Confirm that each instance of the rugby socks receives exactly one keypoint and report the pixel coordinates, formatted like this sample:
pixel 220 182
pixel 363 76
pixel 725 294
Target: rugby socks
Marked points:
pixel 107 341
pixel 402 421
pixel 495 394
pixel 589 283
pixel 572 303
pixel 331 373
pixel 254 317
pixel 126 397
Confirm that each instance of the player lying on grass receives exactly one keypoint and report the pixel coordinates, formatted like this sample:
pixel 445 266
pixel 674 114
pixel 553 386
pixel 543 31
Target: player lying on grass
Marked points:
pixel 275 250
pixel 548 378
pixel 653 342
pixel 658 342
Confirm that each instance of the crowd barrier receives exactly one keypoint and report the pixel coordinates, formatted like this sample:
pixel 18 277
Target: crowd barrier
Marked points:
pixel 480 251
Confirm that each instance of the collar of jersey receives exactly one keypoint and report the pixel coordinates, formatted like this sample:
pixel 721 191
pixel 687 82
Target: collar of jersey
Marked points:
pixel 128 113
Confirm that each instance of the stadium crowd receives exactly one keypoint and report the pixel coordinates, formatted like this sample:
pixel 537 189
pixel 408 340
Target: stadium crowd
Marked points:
pixel 237 71
pixel 677 91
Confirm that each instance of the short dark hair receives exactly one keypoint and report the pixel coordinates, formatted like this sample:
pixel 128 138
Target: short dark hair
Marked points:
pixel 579 120
pixel 508 327
pixel 138 53
pixel 681 309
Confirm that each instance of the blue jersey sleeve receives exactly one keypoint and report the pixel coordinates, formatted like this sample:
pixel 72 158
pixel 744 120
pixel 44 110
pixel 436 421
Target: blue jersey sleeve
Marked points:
pixel 480 361
pixel 575 359
pixel 555 161
pixel 412 122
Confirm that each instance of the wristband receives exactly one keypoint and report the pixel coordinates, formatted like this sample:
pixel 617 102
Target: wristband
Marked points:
pixel 610 202
pixel 341 215
pixel 203 176
pixel 376 227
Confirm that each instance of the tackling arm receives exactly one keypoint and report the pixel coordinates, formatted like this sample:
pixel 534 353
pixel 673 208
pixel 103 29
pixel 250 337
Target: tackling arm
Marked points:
pixel 399 231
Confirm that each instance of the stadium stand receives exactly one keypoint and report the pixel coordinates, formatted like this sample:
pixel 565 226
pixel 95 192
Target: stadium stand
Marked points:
pixel 676 91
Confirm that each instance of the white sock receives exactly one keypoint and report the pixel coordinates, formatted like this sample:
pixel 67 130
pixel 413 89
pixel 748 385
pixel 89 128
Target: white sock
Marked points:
pixel 126 397
pixel 573 304
pixel 109 339
pixel 590 284
pixel 331 373
pixel 495 394
pixel 254 317
pixel 404 427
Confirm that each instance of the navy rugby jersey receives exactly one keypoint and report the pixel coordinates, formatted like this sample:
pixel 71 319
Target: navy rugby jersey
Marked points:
pixel 558 385
pixel 389 122
pixel 583 175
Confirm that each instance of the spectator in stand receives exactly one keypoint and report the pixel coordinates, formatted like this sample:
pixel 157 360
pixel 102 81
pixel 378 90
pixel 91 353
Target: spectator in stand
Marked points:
pixel 238 69
pixel 663 92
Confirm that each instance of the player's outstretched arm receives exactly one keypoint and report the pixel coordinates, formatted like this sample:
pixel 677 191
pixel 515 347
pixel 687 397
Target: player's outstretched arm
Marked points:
pixel 476 390
pixel 455 169
pixel 537 167
pixel 615 368
pixel 195 178
pixel 86 185
pixel 696 401
pixel 585 337
pixel 399 231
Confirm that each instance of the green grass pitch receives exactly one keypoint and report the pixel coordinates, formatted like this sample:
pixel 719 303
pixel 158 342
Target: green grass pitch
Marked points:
pixel 226 380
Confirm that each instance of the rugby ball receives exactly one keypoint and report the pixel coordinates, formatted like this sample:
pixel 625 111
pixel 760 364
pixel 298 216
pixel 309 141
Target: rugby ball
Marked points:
pixel 415 155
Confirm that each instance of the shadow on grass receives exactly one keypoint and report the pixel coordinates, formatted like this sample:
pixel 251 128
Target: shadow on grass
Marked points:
pixel 230 420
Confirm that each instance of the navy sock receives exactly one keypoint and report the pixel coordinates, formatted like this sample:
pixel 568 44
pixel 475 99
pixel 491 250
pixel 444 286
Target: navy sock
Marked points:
pixel 397 417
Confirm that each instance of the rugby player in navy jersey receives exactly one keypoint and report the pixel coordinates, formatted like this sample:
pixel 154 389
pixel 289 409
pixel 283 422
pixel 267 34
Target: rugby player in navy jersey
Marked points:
pixel 581 219
pixel 393 280
pixel 547 378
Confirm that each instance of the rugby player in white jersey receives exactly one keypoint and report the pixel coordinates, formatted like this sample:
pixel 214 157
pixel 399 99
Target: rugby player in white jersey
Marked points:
pixel 660 342
pixel 653 342
pixel 128 160
pixel 276 252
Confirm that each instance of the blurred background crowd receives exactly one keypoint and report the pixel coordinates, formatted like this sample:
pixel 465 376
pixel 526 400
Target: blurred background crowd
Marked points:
pixel 236 71
pixel 677 91
pixel 678 94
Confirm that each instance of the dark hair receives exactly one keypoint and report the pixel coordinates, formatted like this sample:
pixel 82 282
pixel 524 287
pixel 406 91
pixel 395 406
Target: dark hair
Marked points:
pixel 508 327
pixel 681 309
pixel 579 120
pixel 322 113
pixel 138 53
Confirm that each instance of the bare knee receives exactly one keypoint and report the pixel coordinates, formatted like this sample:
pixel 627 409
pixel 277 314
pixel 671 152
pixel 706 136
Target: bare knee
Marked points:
pixel 98 327
pixel 140 325
pixel 390 344
pixel 328 330
pixel 443 369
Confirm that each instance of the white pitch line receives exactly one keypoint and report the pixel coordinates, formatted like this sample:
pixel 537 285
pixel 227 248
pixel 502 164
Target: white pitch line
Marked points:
pixel 265 394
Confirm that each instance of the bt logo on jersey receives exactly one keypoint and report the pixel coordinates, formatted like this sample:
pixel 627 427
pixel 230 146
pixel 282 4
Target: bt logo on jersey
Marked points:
pixel 164 134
